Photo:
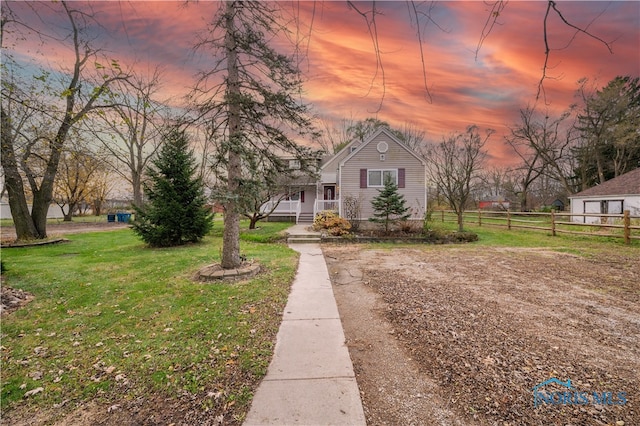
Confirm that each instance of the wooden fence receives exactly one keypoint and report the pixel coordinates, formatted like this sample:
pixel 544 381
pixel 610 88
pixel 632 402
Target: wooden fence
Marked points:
pixel 608 225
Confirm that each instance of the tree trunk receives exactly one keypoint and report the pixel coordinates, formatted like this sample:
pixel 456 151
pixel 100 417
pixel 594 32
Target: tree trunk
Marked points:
pixel 253 220
pixel 97 207
pixel 25 229
pixel 67 217
pixel 460 224
pixel 231 236
pixel 136 182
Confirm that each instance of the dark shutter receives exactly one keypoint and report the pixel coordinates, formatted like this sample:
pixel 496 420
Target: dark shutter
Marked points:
pixel 363 178
pixel 400 178
pixel 302 196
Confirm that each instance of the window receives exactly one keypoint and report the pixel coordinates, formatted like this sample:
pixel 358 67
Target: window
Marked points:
pixel 377 178
pixel 294 164
pixel 296 196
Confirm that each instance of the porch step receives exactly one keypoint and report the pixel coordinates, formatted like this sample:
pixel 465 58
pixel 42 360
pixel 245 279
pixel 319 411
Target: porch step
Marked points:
pixel 305 218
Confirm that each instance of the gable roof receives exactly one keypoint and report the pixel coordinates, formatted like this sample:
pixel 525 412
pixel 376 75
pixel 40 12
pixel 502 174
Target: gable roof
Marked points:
pixel 374 135
pixel 338 154
pixel 626 184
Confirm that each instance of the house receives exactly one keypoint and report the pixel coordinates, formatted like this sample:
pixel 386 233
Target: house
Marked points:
pixel 349 180
pixel 494 205
pixel 611 197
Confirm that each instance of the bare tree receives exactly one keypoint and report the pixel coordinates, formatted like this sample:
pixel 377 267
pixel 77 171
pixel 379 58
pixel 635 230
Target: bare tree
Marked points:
pixel 335 136
pixel 413 137
pixel 76 173
pixel 99 190
pixel 531 164
pixel 454 166
pixel 494 182
pixel 544 145
pixel 83 91
pixel 133 129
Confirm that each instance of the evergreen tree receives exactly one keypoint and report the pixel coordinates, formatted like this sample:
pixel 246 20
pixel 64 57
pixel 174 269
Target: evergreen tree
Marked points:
pixel 175 213
pixel 251 102
pixel 608 125
pixel 389 206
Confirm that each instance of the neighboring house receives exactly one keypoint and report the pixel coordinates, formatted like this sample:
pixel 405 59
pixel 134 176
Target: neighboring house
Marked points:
pixel 357 173
pixel 494 205
pixel 611 197
pixel 54 211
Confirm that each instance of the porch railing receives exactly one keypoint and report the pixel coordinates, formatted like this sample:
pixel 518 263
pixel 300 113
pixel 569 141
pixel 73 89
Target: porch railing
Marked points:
pixel 285 207
pixel 321 205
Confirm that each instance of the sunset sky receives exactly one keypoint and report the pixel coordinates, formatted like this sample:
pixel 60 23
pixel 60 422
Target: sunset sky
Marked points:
pixel 340 67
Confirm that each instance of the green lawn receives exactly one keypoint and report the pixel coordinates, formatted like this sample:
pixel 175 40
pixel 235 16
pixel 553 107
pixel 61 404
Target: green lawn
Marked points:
pixel 577 244
pixel 113 319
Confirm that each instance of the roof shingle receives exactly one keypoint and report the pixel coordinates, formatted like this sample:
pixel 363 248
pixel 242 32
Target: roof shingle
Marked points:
pixel 626 184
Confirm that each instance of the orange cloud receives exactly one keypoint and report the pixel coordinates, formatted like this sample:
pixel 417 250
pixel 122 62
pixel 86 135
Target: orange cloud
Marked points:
pixel 345 79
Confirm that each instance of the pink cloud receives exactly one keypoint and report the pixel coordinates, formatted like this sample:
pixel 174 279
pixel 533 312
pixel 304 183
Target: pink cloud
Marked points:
pixel 341 64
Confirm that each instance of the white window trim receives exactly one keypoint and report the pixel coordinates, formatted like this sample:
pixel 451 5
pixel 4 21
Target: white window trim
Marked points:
pixel 381 177
pixel 294 164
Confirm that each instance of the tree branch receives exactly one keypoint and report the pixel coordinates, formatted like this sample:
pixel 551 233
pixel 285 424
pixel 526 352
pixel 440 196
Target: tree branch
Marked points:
pixel 547 50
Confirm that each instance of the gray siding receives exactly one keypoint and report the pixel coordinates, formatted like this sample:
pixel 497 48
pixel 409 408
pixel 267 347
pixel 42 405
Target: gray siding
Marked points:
pixel 329 173
pixel 395 158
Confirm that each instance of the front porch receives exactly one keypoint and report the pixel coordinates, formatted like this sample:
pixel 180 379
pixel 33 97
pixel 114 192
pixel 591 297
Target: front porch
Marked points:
pixel 296 211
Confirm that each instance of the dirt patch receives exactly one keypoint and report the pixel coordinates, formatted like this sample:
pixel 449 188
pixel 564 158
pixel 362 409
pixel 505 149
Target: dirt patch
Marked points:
pixel 462 335
pixel 12 299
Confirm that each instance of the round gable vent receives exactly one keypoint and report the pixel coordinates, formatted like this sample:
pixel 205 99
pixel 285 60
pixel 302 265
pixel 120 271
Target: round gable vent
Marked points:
pixel 382 147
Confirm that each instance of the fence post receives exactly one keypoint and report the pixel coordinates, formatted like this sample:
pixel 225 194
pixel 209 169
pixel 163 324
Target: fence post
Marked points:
pixel 553 222
pixel 442 212
pixel 627 230
pixel 509 219
pixel 479 217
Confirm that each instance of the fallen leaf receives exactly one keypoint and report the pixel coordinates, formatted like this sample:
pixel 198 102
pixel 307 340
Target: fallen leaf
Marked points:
pixel 33 392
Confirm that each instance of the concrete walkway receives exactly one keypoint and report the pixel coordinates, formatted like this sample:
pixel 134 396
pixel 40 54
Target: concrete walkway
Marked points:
pixel 310 380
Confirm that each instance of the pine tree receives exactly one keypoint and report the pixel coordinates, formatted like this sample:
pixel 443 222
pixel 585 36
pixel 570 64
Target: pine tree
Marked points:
pixel 175 213
pixel 389 206
pixel 251 100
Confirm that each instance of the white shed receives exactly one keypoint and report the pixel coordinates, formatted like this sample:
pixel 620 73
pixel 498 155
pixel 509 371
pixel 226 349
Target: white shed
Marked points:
pixel 611 197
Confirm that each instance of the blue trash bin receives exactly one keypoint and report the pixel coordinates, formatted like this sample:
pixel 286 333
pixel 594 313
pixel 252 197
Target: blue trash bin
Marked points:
pixel 111 218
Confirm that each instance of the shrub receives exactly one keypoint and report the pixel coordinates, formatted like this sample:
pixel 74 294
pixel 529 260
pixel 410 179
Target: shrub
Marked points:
pixel 334 224
pixel 321 218
pixel 351 210
pixel 338 226
pixel 410 226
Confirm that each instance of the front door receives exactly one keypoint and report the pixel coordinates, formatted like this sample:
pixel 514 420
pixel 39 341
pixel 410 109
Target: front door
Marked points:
pixel 329 192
